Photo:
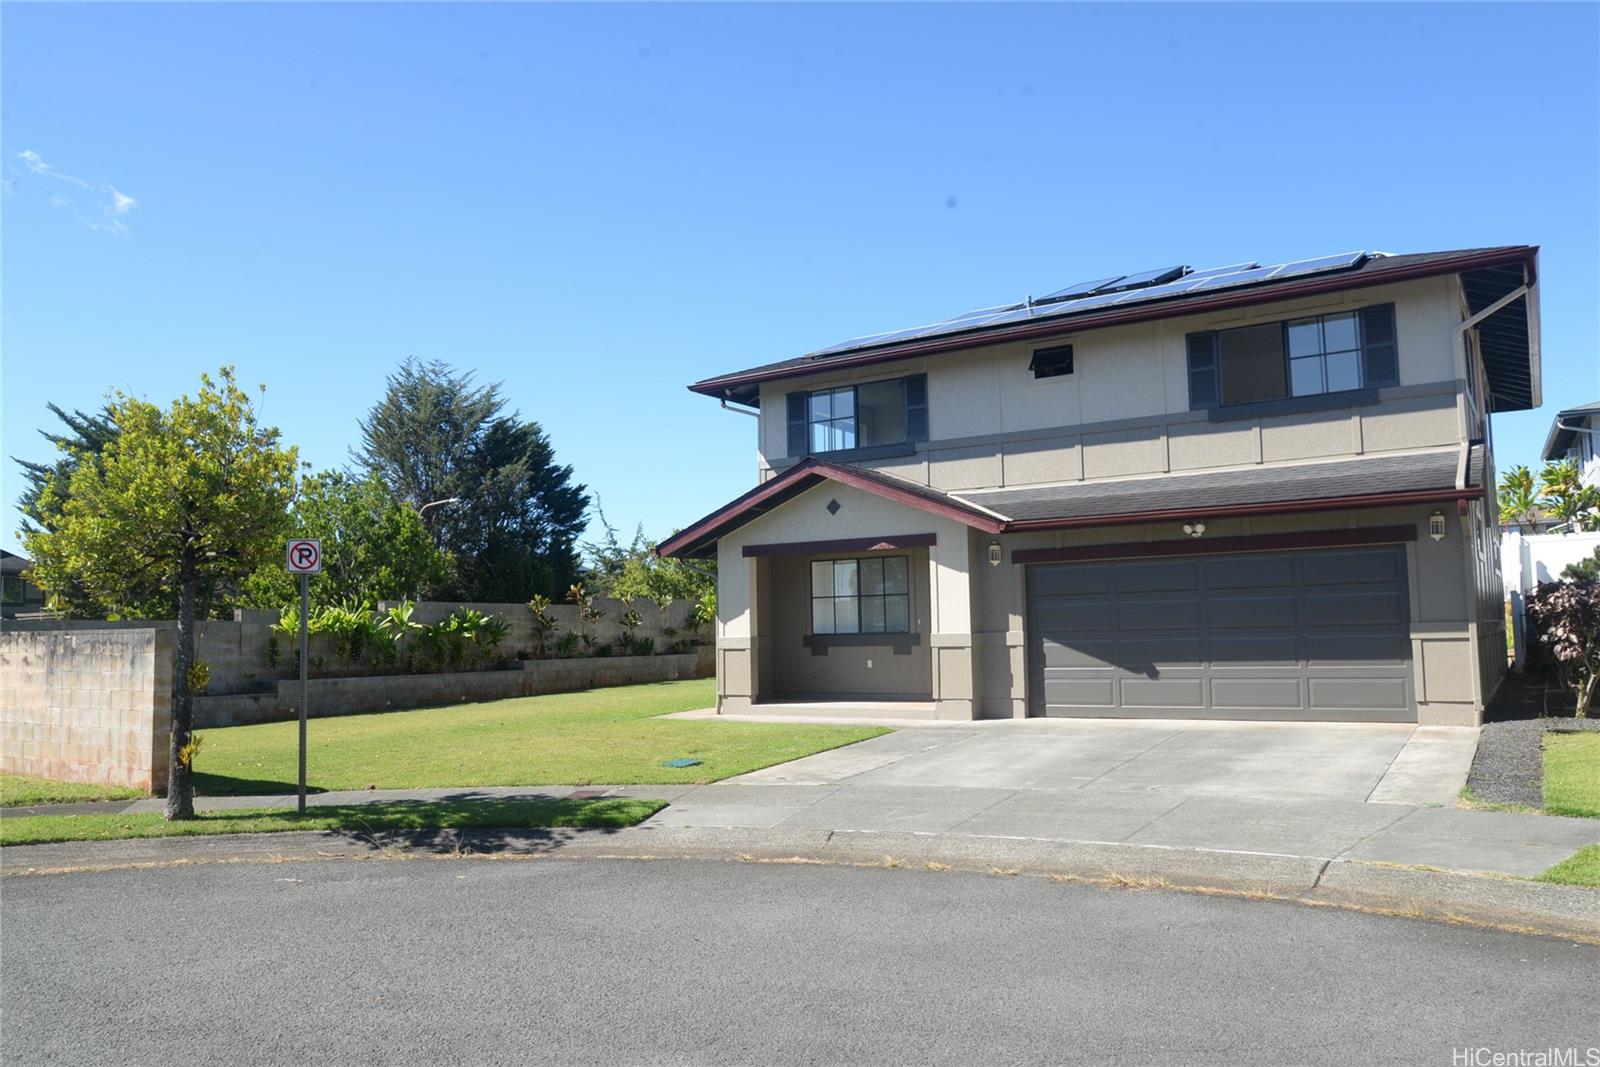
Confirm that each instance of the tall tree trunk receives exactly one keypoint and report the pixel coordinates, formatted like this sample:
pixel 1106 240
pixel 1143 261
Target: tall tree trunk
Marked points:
pixel 180 779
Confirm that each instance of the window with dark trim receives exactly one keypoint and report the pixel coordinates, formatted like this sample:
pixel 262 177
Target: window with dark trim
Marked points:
pixel 868 415
pixel 1052 362
pixel 1308 356
pixel 861 596
pixel 11 589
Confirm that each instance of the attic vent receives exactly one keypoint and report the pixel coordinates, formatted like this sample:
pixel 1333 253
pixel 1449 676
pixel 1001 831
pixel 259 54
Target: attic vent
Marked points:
pixel 1051 362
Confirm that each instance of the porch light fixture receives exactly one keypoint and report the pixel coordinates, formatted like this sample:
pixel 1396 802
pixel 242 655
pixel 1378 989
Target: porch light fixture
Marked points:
pixel 994 553
pixel 1194 529
pixel 1436 525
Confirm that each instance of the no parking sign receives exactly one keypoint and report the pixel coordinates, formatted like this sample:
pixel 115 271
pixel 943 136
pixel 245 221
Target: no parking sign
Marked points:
pixel 305 557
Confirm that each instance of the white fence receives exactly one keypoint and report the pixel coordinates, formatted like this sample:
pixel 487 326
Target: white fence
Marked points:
pixel 1528 559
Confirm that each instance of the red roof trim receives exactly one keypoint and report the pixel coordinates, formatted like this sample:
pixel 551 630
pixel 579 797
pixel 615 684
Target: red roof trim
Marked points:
pixel 848 544
pixel 822 469
pixel 1372 535
pixel 1334 503
pixel 1138 313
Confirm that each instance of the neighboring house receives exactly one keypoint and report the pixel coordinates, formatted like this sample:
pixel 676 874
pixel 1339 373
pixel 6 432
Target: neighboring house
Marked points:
pixel 17 594
pixel 1572 436
pixel 1254 492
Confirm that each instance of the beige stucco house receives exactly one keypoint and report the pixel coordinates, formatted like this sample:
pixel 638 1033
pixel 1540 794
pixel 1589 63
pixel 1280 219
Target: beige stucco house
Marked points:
pixel 1253 492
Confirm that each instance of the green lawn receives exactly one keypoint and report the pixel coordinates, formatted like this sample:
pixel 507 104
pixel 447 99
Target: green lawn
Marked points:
pixel 1572 774
pixel 22 791
pixel 1581 868
pixel 600 736
pixel 607 813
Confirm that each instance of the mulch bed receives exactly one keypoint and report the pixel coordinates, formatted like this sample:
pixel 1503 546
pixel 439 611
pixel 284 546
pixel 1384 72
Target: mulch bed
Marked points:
pixel 1509 765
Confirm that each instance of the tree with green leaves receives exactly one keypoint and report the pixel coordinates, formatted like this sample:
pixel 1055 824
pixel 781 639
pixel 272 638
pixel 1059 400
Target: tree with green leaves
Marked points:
pixel 1519 500
pixel 374 547
pixel 634 571
pixel 514 529
pixel 1566 498
pixel 85 437
pixel 194 494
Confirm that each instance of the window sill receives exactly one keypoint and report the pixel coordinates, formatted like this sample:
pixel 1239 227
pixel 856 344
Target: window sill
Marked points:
pixel 898 644
pixel 1293 405
pixel 903 448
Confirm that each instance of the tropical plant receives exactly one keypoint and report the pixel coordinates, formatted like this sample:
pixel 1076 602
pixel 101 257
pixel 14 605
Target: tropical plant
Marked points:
pixel 1566 618
pixel 567 645
pixel 1519 500
pixel 544 624
pixel 1566 498
pixel 188 498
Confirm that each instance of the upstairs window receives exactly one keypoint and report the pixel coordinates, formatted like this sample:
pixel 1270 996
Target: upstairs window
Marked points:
pixel 1051 362
pixel 1299 357
pixel 851 417
pixel 861 596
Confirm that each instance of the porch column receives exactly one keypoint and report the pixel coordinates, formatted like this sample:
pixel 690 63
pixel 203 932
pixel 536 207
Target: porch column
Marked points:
pixel 742 624
pixel 951 564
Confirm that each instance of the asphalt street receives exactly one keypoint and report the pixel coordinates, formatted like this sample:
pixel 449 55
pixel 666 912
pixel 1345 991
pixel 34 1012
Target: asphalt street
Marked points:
pixel 607 961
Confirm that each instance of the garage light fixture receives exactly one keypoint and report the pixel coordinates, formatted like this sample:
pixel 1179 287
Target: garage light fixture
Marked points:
pixel 1194 529
pixel 994 553
pixel 1436 525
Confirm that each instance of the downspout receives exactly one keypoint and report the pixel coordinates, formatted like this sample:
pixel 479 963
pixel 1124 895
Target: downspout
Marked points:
pixel 754 413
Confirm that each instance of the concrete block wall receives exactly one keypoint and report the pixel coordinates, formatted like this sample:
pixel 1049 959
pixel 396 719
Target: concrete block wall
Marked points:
pixel 347 696
pixel 88 706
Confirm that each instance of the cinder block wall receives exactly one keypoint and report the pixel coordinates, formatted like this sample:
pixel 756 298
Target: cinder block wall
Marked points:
pixel 87 705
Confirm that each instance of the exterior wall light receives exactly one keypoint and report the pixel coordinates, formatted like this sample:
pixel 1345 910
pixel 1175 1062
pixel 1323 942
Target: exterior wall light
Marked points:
pixel 994 553
pixel 1194 529
pixel 1436 525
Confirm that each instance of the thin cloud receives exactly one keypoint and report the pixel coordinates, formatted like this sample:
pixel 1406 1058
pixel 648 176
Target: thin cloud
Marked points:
pixel 111 202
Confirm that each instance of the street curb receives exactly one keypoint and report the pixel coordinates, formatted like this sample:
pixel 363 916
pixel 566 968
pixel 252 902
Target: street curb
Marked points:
pixel 1571 912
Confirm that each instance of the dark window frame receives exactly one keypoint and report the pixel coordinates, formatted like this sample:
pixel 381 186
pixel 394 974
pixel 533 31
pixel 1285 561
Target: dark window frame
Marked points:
pixel 1053 361
pixel 1377 361
pixel 914 401
pixel 859 596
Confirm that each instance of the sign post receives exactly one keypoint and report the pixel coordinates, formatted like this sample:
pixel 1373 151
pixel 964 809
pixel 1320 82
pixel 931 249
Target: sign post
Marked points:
pixel 305 559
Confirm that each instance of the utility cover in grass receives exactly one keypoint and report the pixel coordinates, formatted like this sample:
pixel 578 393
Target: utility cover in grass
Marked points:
pixel 680 763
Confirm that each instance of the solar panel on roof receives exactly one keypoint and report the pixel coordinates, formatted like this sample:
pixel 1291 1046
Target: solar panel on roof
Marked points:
pixel 1143 279
pixel 1320 264
pixel 1080 289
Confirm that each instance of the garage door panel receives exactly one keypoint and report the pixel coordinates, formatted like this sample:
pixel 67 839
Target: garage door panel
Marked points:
pixel 1083 652
pixel 1248 572
pixel 1381 608
pixel 1346 568
pixel 1163 693
pixel 1080 692
pixel 1256 693
pixel 1320 634
pixel 1159 576
pixel 1337 649
pixel 1169 653
pixel 1254 650
pixel 1157 614
pixel 1069 617
pixel 1251 611
pixel 1364 694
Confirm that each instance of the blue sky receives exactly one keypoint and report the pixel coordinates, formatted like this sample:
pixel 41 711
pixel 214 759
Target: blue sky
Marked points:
pixel 596 205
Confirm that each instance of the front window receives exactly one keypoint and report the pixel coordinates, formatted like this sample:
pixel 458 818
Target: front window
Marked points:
pixel 861 596
pixel 11 591
pixel 1299 357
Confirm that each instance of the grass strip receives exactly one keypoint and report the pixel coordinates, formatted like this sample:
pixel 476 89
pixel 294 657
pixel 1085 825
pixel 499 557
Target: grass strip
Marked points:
pixel 606 813
pixel 1581 868
pixel 1572 774
pixel 25 791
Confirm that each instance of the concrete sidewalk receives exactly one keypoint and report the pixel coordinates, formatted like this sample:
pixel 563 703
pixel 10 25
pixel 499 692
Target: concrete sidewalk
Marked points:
pixel 1481 842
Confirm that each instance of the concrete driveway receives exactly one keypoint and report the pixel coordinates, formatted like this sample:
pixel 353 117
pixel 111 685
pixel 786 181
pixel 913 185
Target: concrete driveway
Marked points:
pixel 1262 761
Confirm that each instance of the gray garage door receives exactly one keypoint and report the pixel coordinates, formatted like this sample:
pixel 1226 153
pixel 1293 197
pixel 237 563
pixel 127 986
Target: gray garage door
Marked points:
pixel 1279 635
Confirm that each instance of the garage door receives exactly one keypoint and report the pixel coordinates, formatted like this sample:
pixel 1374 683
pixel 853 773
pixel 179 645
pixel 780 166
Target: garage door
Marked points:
pixel 1280 635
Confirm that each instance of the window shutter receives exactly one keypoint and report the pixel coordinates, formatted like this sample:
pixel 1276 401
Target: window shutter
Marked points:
pixel 1380 362
pixel 1203 385
pixel 917 407
pixel 797 423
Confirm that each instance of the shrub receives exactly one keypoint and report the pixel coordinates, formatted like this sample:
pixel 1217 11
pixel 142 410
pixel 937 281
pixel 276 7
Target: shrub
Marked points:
pixel 1565 616
pixel 544 625
pixel 567 645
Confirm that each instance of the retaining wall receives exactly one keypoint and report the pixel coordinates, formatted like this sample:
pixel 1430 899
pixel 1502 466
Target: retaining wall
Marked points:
pixel 89 706
pixel 348 696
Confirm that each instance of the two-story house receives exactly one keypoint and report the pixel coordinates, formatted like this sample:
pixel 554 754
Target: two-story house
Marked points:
pixel 1250 492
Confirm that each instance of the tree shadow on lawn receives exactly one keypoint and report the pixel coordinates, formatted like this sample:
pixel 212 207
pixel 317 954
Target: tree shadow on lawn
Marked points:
pixel 222 785
pixel 511 839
